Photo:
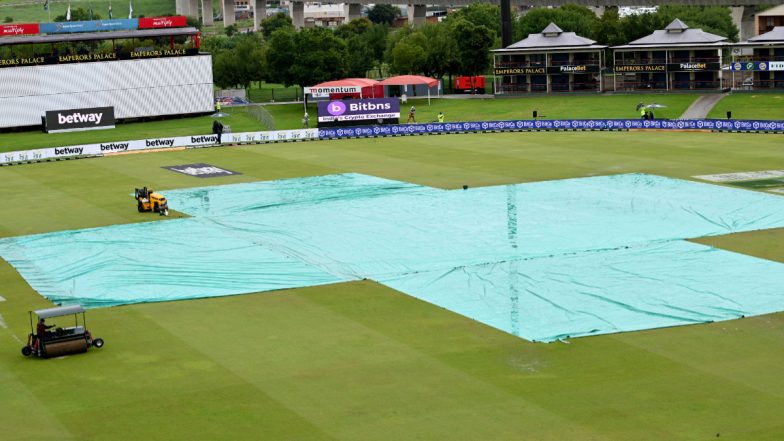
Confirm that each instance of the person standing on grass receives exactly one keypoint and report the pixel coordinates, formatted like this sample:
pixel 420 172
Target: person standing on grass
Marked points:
pixel 217 128
pixel 440 117
pixel 411 113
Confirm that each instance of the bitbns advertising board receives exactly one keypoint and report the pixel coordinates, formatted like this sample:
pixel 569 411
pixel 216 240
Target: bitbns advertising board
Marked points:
pixel 73 120
pixel 358 110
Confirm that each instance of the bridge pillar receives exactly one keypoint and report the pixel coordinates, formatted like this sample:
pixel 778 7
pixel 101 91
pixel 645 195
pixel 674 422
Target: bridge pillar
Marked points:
pixel 743 19
pixel 206 13
pixel 298 14
pixel 188 8
pixel 598 10
pixel 228 12
pixel 416 14
pixel 354 11
pixel 259 13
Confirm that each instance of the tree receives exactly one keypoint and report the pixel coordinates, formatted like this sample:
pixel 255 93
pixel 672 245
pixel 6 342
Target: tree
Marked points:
pixel 484 14
pixel 608 29
pixel 474 48
pixel 278 55
pixel 360 57
pixel 276 22
pixel 305 58
pixel 408 55
pixel 570 18
pixel 714 19
pixel 241 64
pixel 79 14
pixel 441 50
pixel 383 14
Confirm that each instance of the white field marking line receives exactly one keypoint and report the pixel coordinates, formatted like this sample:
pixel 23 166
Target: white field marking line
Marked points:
pixel 742 176
pixel 2 299
pixel 2 322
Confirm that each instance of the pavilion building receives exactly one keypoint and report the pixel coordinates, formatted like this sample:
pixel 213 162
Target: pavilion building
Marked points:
pixel 548 62
pixel 674 58
pixel 763 67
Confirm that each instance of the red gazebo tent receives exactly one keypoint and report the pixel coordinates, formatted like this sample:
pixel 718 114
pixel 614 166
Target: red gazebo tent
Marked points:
pixel 405 80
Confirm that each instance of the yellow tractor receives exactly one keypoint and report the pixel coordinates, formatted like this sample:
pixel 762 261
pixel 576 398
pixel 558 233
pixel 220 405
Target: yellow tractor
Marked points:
pixel 148 200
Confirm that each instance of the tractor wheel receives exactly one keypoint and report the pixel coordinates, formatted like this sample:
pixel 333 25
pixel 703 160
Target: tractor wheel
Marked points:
pixel 27 351
pixel 155 208
pixel 98 343
pixel 140 207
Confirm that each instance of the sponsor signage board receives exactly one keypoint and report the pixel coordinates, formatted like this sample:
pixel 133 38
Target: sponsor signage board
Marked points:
pixel 7 30
pixel 693 67
pixel 529 70
pixel 87 58
pixel 119 147
pixel 552 70
pixel 359 110
pixel 72 120
pixel 334 89
pixel 201 170
pixel 758 65
pixel 640 68
pixel 177 21
pixel 67 27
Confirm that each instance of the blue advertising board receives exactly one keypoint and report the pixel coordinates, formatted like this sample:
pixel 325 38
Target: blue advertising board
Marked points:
pixel 66 27
pixel 358 110
pixel 575 124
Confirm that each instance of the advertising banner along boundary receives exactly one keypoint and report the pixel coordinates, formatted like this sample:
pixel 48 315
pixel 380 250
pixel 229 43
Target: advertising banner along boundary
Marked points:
pixel 100 149
pixel 389 130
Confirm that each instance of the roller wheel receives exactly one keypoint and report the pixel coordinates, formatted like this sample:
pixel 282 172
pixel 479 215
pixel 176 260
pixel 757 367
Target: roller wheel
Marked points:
pixel 98 342
pixel 27 351
pixel 140 207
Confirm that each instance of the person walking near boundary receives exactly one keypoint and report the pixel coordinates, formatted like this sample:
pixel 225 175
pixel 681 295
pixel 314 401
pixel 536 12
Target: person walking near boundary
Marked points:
pixel 217 128
pixel 411 113
pixel 440 117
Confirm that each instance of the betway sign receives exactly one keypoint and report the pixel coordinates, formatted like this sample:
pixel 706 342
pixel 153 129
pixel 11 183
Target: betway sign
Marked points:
pixel 73 120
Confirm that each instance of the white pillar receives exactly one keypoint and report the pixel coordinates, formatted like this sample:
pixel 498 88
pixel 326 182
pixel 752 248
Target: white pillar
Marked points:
pixel 259 13
pixel 228 12
pixel 743 19
pixel 298 14
pixel 416 14
pixel 206 13
pixel 354 11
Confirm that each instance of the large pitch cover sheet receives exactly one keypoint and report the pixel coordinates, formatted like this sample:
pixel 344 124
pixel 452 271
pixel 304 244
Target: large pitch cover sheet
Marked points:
pixel 543 260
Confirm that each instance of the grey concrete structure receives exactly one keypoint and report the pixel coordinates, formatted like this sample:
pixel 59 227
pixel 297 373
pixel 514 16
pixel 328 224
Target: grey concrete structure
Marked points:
pixel 206 13
pixel 416 14
pixel 298 14
pixel 228 12
pixel 259 13
pixel 354 11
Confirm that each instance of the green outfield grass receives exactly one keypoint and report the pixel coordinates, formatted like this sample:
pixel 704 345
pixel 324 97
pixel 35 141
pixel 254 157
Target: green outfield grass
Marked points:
pixel 239 120
pixel 749 105
pixel 360 361
pixel 32 11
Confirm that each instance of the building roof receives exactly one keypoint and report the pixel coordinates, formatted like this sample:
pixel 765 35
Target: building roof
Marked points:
pixel 676 33
pixel 776 35
pixel 551 38
pixel 86 36
pixel 774 11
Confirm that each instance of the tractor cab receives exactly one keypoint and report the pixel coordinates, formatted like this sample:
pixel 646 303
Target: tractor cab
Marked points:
pixel 148 200
pixel 62 340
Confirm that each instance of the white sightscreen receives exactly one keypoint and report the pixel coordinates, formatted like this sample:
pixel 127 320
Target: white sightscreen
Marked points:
pixel 136 88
